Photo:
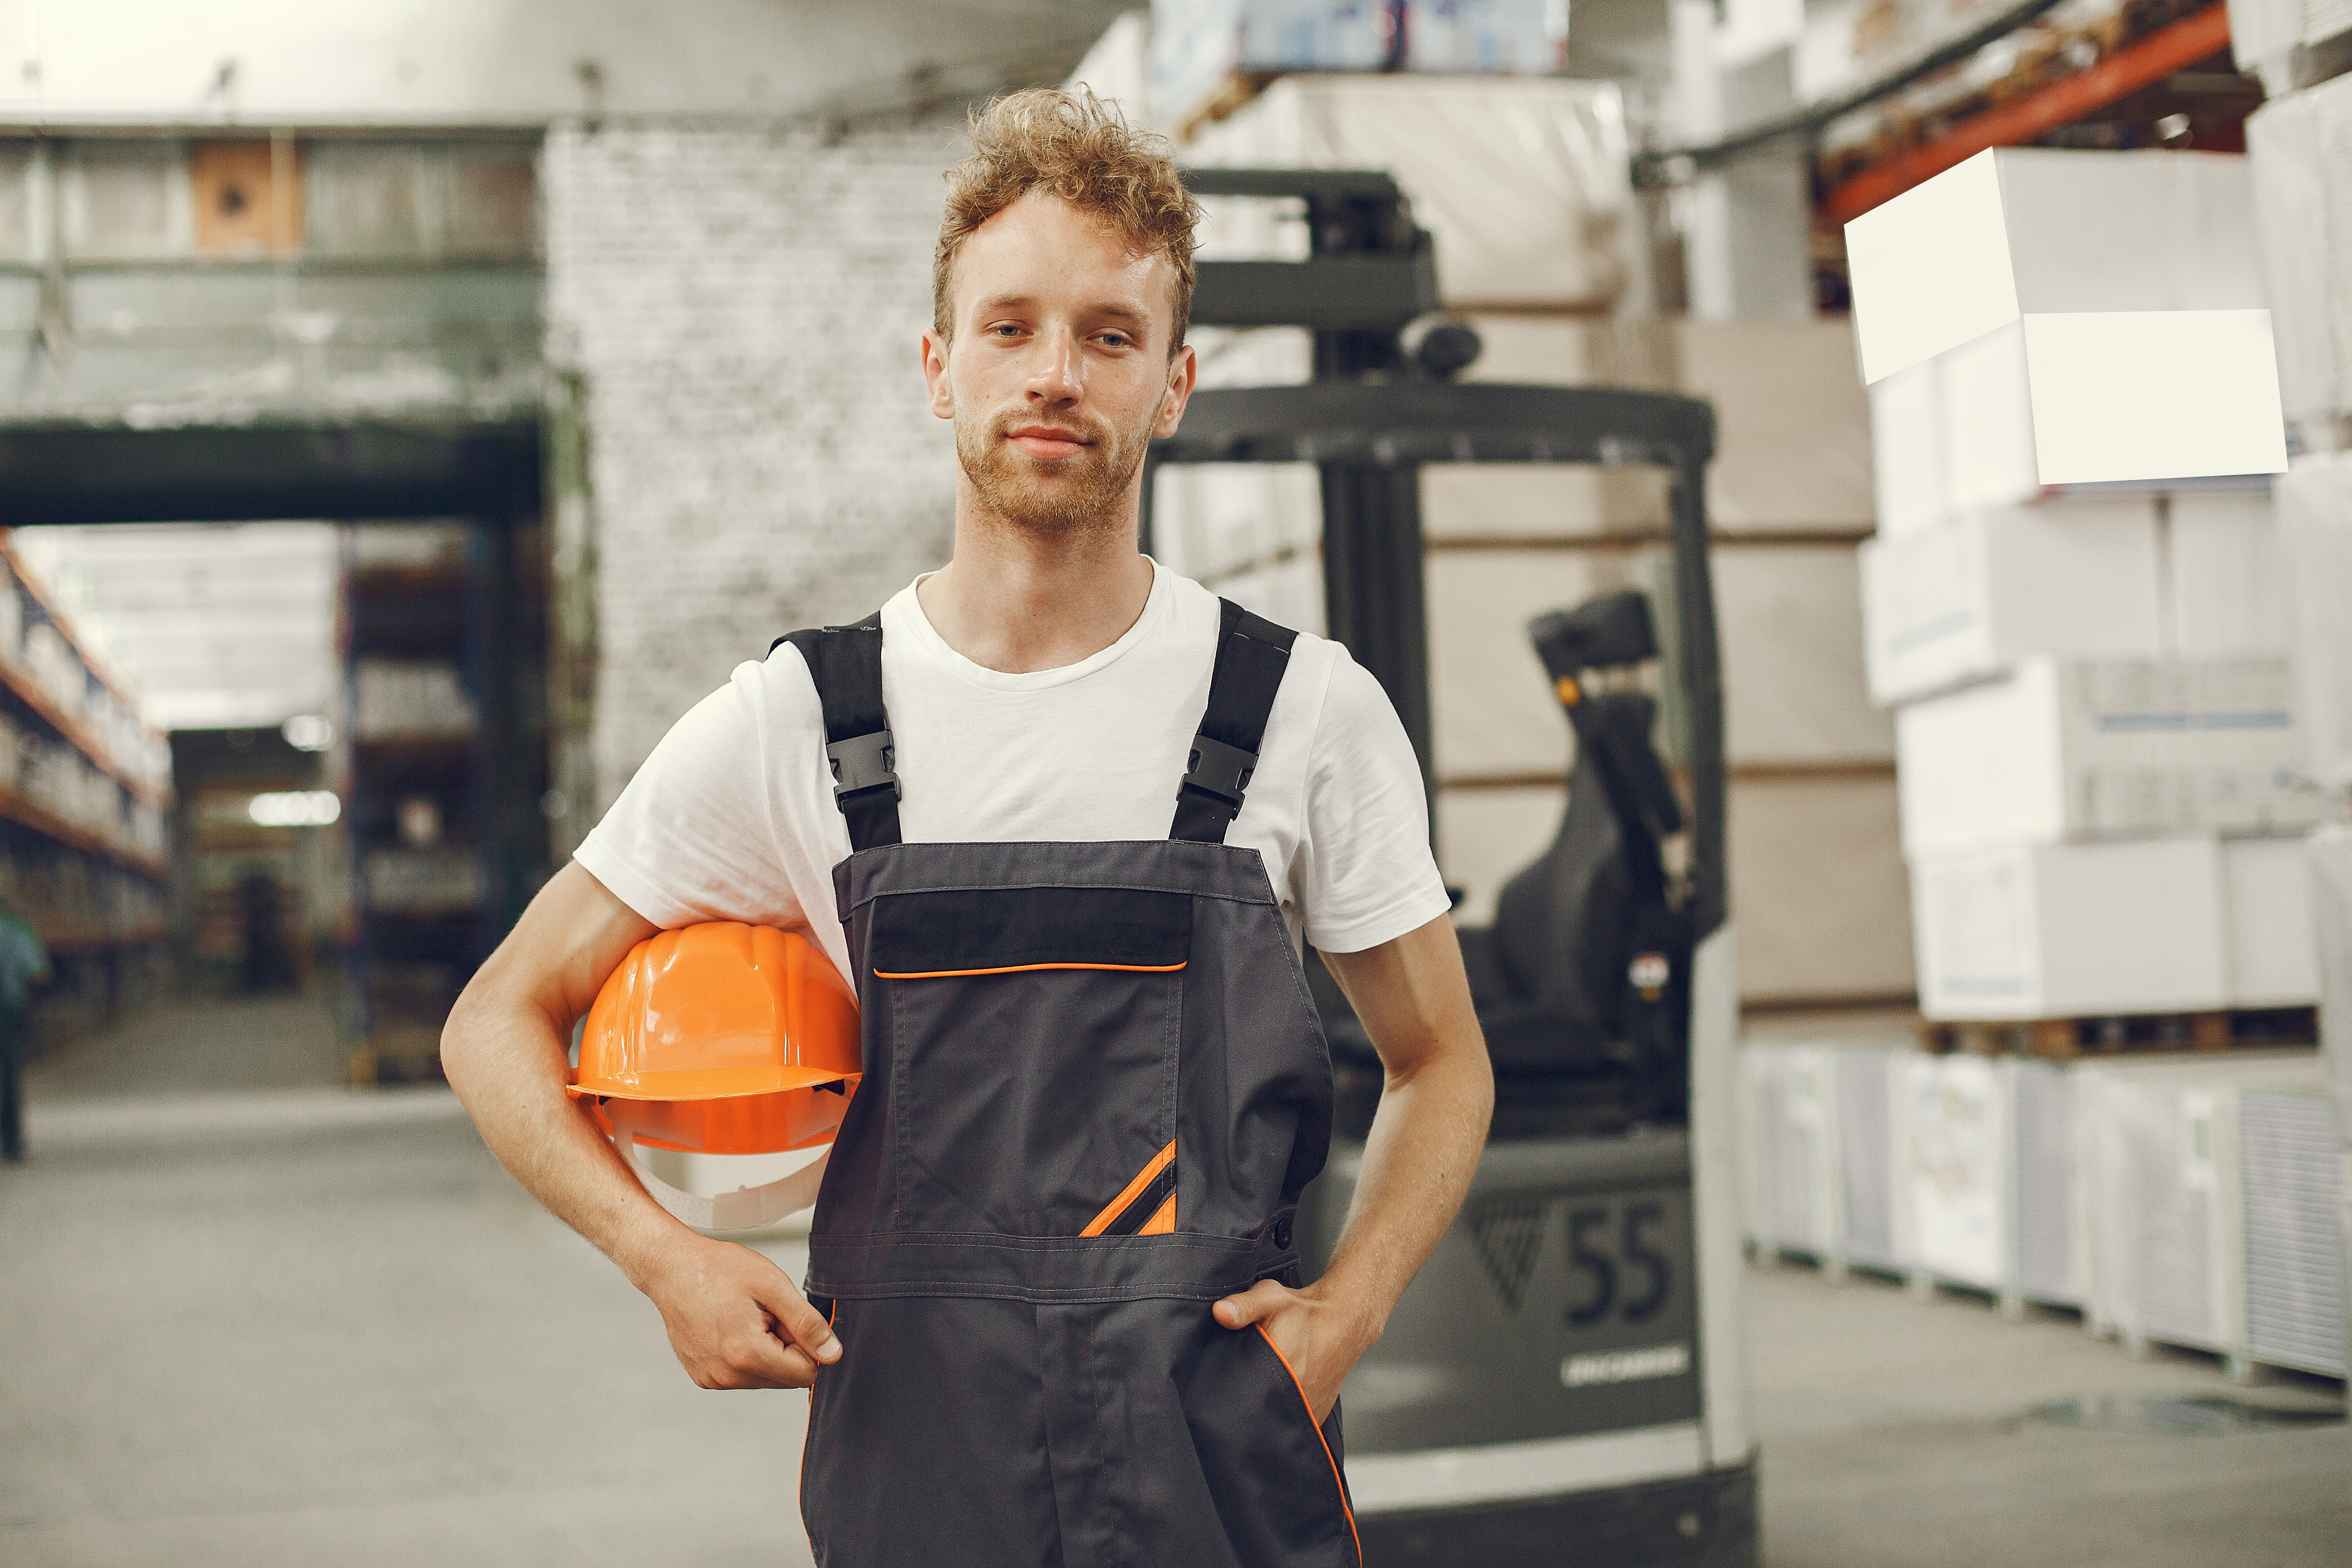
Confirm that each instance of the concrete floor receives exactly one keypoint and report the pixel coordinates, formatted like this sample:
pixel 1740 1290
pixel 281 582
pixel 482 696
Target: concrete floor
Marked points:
pixel 251 1319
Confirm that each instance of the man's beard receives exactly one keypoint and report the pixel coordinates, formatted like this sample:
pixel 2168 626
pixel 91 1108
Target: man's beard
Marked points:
pixel 1066 495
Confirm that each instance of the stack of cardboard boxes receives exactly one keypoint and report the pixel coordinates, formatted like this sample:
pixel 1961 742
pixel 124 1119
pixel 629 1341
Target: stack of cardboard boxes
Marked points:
pixel 1523 184
pixel 2077 599
pixel 2300 146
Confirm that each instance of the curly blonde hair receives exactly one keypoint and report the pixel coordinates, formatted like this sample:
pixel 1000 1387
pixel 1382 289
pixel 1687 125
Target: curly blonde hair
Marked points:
pixel 1075 146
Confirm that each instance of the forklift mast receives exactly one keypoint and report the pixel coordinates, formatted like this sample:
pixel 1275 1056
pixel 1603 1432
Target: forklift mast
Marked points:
pixel 1565 1380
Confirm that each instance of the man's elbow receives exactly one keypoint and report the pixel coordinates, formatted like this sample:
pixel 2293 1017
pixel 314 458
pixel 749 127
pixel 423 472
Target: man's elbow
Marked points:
pixel 464 1032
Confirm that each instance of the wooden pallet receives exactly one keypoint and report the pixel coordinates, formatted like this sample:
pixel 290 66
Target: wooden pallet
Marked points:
pixel 2065 1039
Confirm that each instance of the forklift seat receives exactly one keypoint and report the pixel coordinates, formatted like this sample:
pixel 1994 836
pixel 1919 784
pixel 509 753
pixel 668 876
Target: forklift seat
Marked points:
pixel 1577 1048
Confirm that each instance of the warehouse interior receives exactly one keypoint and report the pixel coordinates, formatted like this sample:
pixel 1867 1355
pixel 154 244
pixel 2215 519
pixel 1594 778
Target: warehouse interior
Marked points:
pixel 418 406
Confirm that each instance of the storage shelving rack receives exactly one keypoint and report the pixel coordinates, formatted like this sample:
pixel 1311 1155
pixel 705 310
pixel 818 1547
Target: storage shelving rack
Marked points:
pixel 461 756
pixel 84 800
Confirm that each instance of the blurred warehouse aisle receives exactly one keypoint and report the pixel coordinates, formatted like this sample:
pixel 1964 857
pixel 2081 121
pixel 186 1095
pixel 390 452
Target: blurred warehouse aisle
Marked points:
pixel 286 1324
pixel 292 1324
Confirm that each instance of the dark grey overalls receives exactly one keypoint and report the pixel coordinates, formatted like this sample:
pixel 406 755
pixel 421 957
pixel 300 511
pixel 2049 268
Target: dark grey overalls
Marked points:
pixel 1094 1088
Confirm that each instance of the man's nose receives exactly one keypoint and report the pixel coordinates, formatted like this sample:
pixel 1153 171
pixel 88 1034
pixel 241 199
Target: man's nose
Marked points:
pixel 1056 376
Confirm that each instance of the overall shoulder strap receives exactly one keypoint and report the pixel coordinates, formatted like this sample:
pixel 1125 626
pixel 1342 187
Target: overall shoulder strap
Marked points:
pixel 846 662
pixel 1252 655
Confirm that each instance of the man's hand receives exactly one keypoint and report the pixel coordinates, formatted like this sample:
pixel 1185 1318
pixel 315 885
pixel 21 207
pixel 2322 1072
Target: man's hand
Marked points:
pixel 736 1320
pixel 733 1318
pixel 1438 1098
pixel 1316 1337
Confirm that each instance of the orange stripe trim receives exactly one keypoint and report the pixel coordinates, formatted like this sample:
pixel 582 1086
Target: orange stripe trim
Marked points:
pixel 1024 969
pixel 1163 1218
pixel 1336 1479
pixel 1132 1191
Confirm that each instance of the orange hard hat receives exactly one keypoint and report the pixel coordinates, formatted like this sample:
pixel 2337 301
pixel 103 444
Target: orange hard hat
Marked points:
pixel 724 1039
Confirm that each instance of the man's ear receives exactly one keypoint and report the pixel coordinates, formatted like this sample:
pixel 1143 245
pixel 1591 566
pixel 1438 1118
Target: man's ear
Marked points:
pixel 935 373
pixel 1184 371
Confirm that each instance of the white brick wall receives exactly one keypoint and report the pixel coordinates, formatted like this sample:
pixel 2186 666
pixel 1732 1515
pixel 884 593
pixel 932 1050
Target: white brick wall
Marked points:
pixel 742 307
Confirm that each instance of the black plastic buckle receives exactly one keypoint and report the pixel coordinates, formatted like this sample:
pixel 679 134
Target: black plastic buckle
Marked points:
pixel 1220 770
pixel 862 763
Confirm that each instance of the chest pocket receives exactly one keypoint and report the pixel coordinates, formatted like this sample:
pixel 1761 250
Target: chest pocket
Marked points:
pixel 1034 1044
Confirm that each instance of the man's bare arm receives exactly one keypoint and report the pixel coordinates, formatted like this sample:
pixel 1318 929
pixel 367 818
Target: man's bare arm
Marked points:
pixel 734 1318
pixel 1415 1002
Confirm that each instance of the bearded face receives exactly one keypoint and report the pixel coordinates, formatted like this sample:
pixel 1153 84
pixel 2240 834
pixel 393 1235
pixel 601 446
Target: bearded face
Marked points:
pixel 1051 495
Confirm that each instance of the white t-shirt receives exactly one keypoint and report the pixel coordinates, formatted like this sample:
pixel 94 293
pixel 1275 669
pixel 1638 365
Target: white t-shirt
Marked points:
pixel 732 817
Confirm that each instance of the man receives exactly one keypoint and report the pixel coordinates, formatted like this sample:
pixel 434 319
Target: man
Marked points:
pixel 1059 1315
pixel 23 961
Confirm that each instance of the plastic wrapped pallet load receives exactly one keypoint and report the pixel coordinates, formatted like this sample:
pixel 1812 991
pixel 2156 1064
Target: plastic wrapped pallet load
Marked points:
pixel 1525 183
pixel 1791 1161
pixel 1954 1171
pixel 1867 1111
pixel 1793 427
pixel 2293 1182
pixel 2331 890
pixel 2161 1195
pixel 2046 1258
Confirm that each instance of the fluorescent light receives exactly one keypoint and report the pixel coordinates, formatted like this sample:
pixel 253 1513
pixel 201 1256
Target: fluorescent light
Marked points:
pixel 295 808
pixel 309 732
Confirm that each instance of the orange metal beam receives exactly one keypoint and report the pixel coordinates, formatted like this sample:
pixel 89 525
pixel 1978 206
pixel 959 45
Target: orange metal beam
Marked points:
pixel 2169 48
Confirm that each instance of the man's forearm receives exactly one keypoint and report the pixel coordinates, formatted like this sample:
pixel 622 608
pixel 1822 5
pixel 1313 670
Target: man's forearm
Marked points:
pixel 505 1058
pixel 1418 1161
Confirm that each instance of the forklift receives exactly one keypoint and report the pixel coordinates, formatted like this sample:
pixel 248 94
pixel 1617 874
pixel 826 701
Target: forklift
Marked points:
pixel 1565 1380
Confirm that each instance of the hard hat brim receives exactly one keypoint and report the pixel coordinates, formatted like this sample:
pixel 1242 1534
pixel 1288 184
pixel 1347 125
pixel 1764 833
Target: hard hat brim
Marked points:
pixel 707 1083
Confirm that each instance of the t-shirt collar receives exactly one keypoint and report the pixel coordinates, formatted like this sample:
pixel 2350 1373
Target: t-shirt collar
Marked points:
pixel 903 616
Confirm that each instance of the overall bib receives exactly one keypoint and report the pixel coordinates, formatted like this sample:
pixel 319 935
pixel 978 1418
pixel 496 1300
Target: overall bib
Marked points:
pixel 1094 1088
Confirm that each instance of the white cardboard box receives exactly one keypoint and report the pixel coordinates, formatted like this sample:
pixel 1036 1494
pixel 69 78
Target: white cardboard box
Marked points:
pixel 2224 575
pixel 2072 930
pixel 2055 751
pixel 2075 576
pixel 2020 232
pixel 2314 519
pixel 2302 212
pixel 2136 398
pixel 2274 944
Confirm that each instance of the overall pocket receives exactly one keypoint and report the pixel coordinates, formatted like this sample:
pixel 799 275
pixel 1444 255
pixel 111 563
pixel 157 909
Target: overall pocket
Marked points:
pixel 1034 1042
pixel 1323 1433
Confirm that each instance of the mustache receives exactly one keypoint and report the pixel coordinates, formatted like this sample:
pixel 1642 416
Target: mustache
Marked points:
pixel 1092 434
